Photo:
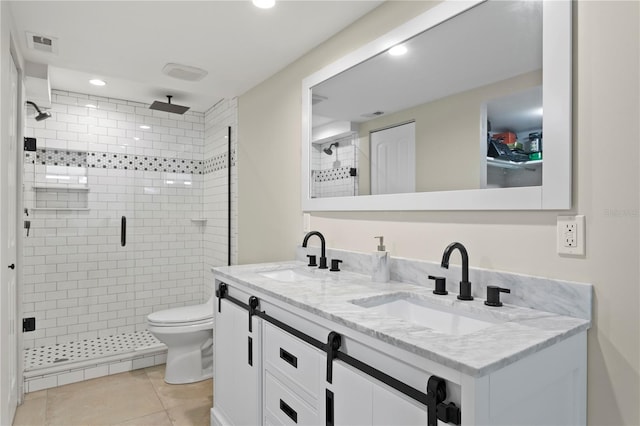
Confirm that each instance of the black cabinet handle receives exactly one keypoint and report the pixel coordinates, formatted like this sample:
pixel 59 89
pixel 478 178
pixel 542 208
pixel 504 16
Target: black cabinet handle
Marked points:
pixel 250 349
pixel 123 231
pixel 329 408
pixel 289 411
pixel 289 358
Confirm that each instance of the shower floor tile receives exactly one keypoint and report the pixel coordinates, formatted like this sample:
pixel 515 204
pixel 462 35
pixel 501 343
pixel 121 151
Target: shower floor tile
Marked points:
pixel 47 356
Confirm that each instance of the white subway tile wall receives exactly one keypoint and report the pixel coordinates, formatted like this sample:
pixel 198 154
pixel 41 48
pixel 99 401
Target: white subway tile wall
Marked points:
pixel 215 197
pixel 79 281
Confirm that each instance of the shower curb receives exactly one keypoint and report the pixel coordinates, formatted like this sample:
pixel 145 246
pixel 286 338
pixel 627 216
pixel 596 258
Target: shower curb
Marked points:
pixel 77 371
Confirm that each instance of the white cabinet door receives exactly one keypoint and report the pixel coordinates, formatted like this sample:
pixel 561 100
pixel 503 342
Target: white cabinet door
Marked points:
pixel 393 408
pixel 237 385
pixel 362 400
pixel 352 397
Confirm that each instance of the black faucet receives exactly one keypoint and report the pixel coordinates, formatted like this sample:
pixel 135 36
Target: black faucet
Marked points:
pixel 465 285
pixel 323 258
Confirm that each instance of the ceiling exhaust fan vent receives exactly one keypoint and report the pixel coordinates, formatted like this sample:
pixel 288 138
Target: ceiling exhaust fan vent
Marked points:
pixel 42 43
pixel 184 72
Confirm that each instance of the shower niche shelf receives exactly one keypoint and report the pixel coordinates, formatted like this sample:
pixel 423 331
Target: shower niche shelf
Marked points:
pixel 62 197
pixel 63 187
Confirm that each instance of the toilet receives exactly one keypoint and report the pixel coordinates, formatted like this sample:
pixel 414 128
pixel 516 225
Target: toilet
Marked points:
pixel 188 333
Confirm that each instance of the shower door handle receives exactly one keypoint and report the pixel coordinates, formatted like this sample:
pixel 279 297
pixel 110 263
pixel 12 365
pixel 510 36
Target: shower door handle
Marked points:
pixel 123 231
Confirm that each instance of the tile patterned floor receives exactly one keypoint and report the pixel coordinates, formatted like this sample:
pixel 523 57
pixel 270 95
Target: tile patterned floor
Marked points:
pixel 135 398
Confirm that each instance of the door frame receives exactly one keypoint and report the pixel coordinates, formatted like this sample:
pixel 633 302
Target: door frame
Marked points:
pixel 13 61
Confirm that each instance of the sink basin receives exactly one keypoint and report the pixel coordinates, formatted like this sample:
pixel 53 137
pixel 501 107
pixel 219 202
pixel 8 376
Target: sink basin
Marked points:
pixel 288 275
pixel 440 318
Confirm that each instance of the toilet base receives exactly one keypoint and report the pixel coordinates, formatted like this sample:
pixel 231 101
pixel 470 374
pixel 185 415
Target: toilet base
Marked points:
pixel 189 352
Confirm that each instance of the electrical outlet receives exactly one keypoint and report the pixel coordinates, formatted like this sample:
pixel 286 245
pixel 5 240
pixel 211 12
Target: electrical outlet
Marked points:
pixel 571 235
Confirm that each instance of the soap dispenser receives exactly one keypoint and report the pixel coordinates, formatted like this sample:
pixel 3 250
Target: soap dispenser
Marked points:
pixel 380 263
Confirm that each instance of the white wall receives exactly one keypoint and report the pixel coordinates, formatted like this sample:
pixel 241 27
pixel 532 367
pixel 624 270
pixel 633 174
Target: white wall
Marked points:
pixel 606 190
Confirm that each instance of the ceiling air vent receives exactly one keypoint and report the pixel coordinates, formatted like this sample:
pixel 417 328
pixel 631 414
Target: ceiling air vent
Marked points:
pixel 184 72
pixel 316 99
pixel 373 114
pixel 42 43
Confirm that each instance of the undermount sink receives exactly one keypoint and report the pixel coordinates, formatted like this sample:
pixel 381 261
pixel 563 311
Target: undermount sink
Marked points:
pixel 288 275
pixel 440 318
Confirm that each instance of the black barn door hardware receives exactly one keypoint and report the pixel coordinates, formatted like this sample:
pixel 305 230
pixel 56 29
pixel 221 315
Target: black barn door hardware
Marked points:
pixel 254 303
pixel 333 344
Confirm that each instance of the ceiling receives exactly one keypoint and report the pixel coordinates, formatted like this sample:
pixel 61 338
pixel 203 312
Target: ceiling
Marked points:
pixel 127 43
pixel 461 54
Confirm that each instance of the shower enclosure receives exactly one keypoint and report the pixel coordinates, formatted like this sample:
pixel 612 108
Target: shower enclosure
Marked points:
pixel 128 210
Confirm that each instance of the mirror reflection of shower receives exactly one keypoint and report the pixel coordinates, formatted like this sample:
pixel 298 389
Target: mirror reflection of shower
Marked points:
pixel 329 151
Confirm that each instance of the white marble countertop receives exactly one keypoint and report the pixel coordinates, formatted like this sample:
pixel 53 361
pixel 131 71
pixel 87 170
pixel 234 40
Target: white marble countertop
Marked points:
pixel 517 333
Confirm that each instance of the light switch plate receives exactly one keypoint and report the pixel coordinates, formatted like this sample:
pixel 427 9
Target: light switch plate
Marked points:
pixel 571 235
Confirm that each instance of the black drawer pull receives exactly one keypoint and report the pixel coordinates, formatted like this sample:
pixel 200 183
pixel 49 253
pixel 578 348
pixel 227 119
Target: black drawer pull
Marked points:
pixel 250 351
pixel 289 358
pixel 289 411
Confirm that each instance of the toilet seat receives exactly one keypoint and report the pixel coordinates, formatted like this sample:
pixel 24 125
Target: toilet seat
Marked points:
pixel 183 316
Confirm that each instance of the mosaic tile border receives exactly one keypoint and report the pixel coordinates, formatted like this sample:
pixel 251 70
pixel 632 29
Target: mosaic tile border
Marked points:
pixel 107 160
pixel 332 174
pixel 219 162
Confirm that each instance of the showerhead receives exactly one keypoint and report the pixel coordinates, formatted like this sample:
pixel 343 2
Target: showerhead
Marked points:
pixel 168 106
pixel 42 115
pixel 328 150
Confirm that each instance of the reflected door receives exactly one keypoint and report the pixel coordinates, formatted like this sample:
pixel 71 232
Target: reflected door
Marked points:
pixel 393 164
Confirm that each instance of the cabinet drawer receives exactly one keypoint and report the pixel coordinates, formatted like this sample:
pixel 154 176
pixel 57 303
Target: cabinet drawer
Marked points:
pixel 293 358
pixel 283 405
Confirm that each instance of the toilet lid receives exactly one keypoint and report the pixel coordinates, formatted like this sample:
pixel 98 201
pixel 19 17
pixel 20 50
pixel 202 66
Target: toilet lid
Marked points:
pixel 185 314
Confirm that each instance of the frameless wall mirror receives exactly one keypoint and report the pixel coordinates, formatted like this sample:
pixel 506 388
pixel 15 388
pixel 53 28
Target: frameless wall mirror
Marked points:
pixel 465 107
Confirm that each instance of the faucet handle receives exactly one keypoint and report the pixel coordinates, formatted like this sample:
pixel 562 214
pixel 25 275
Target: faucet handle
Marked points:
pixel 312 260
pixel 493 295
pixel 441 285
pixel 335 265
pixel 323 263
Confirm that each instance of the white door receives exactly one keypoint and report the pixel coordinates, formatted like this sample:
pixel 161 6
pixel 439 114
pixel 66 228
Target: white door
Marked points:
pixel 8 254
pixel 393 162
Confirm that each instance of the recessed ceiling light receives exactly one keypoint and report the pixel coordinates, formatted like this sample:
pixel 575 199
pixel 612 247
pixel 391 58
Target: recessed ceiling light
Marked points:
pixel 97 82
pixel 264 4
pixel 136 138
pixel 91 106
pixel 145 127
pixel 398 50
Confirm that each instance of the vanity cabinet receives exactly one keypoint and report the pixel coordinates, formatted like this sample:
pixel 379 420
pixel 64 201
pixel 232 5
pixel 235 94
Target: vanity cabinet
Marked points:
pixel 285 372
